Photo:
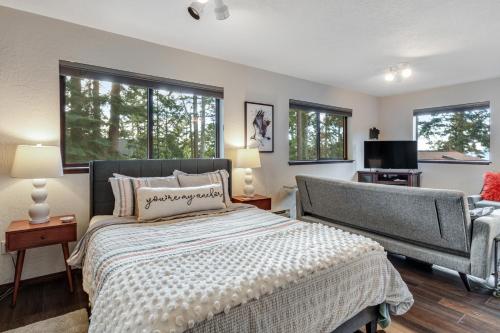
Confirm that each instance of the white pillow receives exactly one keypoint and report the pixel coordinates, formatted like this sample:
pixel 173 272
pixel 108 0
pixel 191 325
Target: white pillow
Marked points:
pixel 207 178
pixel 154 203
pixel 124 190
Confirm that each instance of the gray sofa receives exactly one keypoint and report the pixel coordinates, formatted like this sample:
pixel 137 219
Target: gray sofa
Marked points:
pixel 429 225
pixel 475 201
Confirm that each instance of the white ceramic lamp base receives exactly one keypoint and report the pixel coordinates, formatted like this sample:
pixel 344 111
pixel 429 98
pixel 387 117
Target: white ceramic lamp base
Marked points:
pixel 39 210
pixel 248 189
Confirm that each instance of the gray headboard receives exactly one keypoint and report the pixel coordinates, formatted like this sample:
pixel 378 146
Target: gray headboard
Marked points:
pixel 101 197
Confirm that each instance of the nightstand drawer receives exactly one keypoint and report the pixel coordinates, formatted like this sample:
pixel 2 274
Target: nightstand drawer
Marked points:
pixel 41 237
pixel 262 204
pixel 257 200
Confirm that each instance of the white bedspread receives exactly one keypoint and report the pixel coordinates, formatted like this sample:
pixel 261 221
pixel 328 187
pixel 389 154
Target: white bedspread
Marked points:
pixel 170 276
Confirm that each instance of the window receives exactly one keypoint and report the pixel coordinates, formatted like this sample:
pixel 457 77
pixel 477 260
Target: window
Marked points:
pixel 108 114
pixel 317 133
pixel 459 133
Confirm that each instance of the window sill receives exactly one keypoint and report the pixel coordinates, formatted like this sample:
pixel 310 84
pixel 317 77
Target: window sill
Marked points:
pixel 456 162
pixel 74 170
pixel 319 162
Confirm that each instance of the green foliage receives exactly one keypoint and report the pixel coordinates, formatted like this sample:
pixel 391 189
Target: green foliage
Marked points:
pixel 465 132
pixel 303 135
pixel 184 126
pixel 331 136
pixel 110 121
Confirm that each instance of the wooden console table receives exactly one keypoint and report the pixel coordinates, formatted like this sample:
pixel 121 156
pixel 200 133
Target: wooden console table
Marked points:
pixel 411 179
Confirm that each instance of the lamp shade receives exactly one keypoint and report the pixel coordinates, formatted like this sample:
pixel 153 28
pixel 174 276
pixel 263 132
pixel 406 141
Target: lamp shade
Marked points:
pixel 247 158
pixel 38 161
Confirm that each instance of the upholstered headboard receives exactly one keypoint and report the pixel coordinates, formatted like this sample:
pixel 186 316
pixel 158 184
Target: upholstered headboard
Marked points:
pixel 101 196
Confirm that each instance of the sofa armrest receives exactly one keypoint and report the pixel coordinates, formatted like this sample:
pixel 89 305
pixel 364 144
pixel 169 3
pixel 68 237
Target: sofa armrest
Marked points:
pixel 298 206
pixel 472 200
pixel 484 230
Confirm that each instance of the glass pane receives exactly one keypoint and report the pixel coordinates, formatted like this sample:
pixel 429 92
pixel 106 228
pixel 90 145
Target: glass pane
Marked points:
pixel 302 135
pixel 184 125
pixel 104 120
pixel 331 136
pixel 459 136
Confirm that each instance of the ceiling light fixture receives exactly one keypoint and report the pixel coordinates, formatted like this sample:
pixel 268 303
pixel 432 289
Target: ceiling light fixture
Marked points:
pixel 405 71
pixel 196 9
pixel 398 73
pixel 390 75
pixel 221 10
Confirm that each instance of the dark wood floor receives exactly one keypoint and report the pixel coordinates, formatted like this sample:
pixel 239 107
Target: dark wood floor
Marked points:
pixel 441 303
pixel 43 300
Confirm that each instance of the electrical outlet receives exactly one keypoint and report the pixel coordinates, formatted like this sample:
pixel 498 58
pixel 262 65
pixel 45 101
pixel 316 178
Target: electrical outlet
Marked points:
pixel 3 250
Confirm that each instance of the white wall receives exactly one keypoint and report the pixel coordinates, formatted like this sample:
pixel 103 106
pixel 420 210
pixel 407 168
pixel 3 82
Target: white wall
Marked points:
pixel 30 49
pixel 396 122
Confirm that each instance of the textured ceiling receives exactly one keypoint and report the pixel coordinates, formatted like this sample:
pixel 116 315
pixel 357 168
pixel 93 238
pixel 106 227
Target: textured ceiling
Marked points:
pixel 346 43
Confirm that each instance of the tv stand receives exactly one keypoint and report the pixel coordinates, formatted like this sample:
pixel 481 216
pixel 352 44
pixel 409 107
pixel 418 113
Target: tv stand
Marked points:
pixel 398 178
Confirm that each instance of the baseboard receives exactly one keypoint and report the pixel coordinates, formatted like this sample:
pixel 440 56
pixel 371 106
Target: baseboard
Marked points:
pixel 39 279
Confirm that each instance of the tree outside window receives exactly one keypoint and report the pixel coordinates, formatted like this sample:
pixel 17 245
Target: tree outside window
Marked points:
pixel 456 133
pixel 107 120
pixel 316 132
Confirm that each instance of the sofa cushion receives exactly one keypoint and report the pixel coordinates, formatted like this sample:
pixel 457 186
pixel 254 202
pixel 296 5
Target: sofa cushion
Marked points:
pixel 437 219
pixel 487 203
pixel 491 187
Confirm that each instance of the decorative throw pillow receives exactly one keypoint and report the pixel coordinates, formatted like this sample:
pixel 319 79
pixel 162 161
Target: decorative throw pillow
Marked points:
pixel 153 203
pixel 124 190
pixel 214 177
pixel 124 196
pixel 170 182
pixel 491 187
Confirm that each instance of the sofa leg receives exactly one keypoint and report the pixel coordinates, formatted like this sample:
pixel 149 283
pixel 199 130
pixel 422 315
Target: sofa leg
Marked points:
pixel 371 327
pixel 465 280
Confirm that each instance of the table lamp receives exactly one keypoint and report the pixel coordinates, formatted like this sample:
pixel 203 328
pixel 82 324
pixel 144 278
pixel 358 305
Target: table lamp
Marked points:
pixel 249 159
pixel 37 163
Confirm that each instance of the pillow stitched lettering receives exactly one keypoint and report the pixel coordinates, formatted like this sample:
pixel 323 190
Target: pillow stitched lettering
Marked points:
pixel 155 203
pixel 189 197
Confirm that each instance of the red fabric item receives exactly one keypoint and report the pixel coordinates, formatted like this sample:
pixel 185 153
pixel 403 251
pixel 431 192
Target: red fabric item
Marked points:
pixel 491 187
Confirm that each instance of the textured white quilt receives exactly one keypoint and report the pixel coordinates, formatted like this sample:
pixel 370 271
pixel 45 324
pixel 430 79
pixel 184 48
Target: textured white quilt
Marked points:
pixel 175 275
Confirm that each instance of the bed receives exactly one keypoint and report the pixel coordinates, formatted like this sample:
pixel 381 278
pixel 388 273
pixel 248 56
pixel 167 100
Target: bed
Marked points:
pixel 239 269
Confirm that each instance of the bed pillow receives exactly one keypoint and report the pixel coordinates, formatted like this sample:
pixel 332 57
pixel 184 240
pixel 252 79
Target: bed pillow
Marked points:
pixel 153 203
pixel 214 177
pixel 124 190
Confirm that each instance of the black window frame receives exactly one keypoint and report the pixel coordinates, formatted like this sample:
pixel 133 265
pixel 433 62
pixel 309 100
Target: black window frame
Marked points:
pixel 450 109
pixel 318 109
pixel 148 82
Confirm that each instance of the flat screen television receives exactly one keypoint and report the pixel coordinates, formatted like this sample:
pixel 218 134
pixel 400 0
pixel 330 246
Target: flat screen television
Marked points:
pixel 391 154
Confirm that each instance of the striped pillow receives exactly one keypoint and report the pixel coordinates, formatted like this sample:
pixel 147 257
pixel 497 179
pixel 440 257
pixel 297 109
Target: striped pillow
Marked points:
pixel 125 189
pixel 124 196
pixel 208 178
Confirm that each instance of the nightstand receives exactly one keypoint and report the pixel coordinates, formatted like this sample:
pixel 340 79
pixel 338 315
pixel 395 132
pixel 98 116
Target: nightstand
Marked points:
pixel 21 235
pixel 257 200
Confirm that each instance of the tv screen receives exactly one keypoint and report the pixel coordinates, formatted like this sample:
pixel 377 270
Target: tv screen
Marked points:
pixel 391 154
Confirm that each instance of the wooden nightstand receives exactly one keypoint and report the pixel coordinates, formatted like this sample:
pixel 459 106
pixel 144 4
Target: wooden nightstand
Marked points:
pixel 21 235
pixel 257 200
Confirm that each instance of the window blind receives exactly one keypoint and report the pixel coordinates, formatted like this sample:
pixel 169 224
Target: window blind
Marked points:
pixel 74 69
pixel 308 106
pixel 452 108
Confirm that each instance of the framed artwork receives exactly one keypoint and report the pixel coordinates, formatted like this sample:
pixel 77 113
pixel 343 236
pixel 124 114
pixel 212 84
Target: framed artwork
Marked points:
pixel 259 126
